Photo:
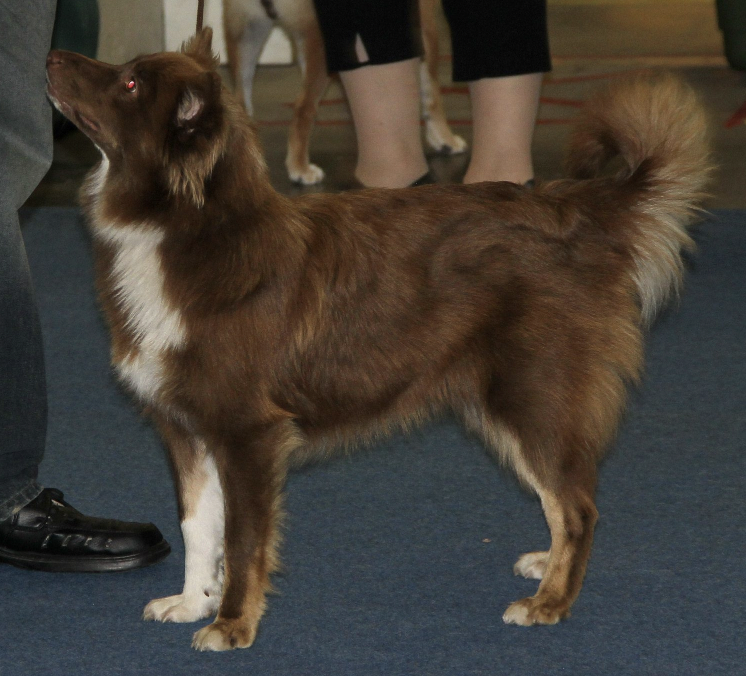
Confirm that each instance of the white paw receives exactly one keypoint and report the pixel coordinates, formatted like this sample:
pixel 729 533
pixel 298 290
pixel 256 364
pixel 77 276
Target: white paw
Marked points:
pixel 446 143
pixel 539 609
pixel 532 565
pixel 181 608
pixel 517 613
pixel 310 175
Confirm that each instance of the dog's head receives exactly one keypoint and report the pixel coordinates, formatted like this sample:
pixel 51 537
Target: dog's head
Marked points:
pixel 162 112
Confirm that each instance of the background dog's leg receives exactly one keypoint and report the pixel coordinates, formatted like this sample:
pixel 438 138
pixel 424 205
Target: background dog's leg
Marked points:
pixel 252 473
pixel 312 60
pixel 202 523
pixel 437 132
pixel 244 43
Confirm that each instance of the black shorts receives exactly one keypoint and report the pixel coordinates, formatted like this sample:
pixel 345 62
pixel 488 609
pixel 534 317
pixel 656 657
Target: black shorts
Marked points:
pixel 388 29
pixel 490 38
pixel 497 38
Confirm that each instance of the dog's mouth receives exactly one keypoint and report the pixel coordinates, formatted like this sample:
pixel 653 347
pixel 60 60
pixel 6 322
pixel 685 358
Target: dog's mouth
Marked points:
pixel 72 114
pixel 87 122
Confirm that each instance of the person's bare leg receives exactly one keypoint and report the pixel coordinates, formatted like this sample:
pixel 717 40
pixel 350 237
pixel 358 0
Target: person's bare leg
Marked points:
pixel 504 113
pixel 385 105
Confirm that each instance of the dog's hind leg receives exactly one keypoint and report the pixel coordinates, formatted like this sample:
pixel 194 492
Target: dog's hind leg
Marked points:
pixel 244 40
pixel 252 467
pixel 571 515
pixel 564 477
pixel 202 523
pixel 312 58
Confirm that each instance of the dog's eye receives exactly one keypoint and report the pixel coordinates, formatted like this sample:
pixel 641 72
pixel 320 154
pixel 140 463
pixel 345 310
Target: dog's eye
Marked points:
pixel 131 85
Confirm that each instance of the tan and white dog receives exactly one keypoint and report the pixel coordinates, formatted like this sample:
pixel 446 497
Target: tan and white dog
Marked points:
pixel 247 25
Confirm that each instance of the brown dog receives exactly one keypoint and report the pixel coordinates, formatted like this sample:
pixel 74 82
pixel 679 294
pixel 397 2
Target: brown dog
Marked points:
pixel 260 331
pixel 247 24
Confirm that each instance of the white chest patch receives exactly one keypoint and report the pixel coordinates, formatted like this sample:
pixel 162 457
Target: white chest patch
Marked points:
pixel 138 280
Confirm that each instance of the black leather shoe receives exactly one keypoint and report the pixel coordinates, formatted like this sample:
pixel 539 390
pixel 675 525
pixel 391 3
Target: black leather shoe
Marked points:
pixel 50 535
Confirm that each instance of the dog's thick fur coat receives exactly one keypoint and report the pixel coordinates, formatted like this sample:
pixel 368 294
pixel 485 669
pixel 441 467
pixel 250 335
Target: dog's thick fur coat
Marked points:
pixel 259 331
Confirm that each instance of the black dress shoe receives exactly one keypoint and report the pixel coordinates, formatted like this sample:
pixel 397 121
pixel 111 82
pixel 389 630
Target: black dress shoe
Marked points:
pixel 50 535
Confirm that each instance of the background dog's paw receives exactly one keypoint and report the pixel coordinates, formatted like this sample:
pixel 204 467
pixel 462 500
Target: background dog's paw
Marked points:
pixel 444 142
pixel 532 565
pixel 536 610
pixel 310 175
pixel 224 635
pixel 181 608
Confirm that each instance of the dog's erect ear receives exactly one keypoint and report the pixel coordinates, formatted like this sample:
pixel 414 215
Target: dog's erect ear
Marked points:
pixel 191 106
pixel 199 105
pixel 198 138
pixel 199 47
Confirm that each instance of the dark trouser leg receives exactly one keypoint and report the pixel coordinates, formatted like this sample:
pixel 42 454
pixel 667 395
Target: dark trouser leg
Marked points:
pixel 25 156
pixel 388 30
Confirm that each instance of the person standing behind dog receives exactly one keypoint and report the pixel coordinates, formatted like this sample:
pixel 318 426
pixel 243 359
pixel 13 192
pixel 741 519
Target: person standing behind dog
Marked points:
pixel 500 48
pixel 38 529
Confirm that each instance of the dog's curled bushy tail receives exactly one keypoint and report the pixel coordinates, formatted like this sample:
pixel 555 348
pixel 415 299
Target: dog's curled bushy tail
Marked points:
pixel 658 128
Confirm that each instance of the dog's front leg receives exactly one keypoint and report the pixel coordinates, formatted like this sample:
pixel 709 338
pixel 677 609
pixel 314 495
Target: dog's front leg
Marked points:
pixel 252 470
pixel 202 525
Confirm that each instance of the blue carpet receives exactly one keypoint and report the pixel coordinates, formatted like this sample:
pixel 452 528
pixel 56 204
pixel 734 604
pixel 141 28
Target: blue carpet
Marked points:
pixel 410 576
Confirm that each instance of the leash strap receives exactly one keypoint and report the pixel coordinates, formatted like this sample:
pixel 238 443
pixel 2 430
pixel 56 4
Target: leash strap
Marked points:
pixel 200 14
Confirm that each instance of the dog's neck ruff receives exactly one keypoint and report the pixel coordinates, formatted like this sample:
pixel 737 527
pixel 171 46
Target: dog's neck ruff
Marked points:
pixel 138 280
pixel 137 285
pixel 94 183
pixel 136 274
